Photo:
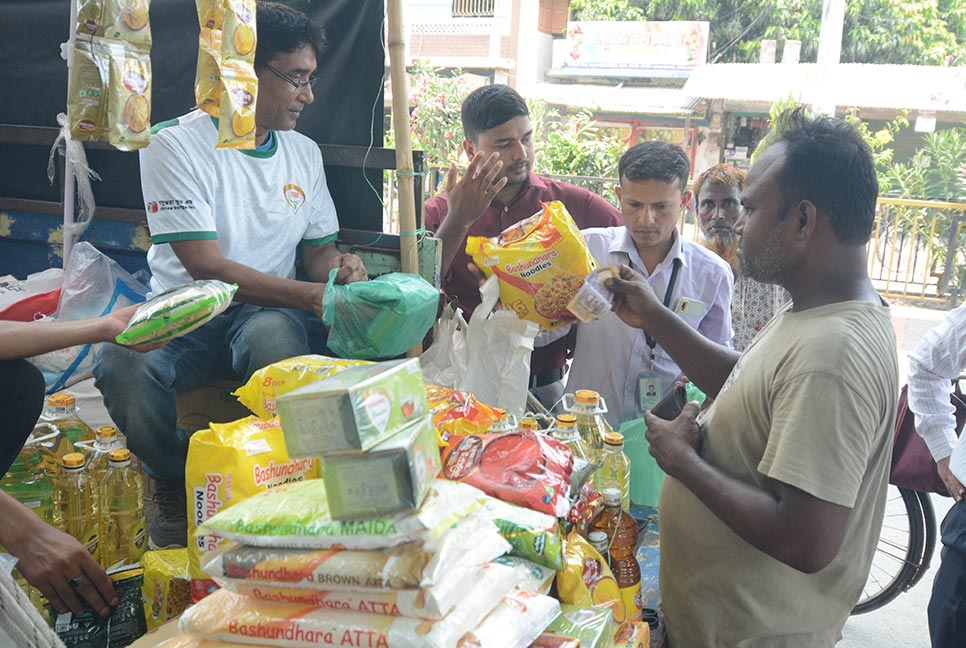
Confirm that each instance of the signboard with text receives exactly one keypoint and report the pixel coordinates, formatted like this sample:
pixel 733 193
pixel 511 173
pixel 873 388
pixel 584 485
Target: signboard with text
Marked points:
pixel 636 45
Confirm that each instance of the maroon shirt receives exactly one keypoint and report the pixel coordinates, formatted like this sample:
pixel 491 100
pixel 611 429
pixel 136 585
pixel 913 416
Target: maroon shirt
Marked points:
pixel 586 208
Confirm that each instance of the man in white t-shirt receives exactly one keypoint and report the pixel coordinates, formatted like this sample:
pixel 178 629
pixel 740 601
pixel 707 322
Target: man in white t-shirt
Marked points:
pixel 238 216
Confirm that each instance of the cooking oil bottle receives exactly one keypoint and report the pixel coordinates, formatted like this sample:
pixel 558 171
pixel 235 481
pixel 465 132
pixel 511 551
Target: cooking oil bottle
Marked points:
pixel 105 439
pixel 27 483
pixel 565 431
pixel 615 469
pixel 75 503
pixel 123 537
pixel 51 445
pixel 61 411
pixel 589 409
pixel 621 530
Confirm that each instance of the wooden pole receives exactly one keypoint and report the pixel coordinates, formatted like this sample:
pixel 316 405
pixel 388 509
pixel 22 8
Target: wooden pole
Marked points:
pixel 409 259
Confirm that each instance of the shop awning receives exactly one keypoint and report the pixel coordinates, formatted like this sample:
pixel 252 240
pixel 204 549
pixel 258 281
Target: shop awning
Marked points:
pixel 619 99
pixel 913 87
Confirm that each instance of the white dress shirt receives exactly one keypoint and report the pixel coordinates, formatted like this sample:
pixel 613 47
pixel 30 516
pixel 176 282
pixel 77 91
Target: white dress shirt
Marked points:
pixel 610 356
pixel 939 358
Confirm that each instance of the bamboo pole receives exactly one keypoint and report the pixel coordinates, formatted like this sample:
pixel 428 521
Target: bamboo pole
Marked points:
pixel 409 259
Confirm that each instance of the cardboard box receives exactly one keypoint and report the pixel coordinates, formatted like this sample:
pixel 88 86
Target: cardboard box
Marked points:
pixel 394 476
pixel 353 410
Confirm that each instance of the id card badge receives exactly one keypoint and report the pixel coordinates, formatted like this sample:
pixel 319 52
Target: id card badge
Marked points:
pixel 650 389
pixel 690 307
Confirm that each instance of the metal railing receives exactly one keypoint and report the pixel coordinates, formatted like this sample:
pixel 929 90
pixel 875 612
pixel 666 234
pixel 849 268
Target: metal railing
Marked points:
pixel 473 8
pixel 918 249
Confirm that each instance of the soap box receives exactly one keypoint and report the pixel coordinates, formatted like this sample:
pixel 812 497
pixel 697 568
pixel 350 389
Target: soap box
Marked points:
pixel 354 409
pixel 393 476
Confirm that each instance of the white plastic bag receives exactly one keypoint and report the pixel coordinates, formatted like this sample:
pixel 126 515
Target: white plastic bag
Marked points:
pixel 444 362
pixel 94 285
pixel 498 353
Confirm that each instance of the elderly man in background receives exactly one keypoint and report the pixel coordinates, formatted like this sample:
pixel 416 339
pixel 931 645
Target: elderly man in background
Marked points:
pixel 717 192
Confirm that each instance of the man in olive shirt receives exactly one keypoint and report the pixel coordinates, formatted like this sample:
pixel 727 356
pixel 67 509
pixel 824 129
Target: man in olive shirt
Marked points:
pixel 774 498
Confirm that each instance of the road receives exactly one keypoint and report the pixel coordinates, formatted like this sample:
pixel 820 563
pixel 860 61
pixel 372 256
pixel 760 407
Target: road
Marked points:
pixel 902 623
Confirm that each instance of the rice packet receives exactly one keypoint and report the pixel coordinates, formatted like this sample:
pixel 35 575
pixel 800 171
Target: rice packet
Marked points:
pixel 177 312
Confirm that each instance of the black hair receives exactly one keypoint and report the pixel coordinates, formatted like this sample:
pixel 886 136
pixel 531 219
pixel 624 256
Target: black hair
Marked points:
pixel 655 161
pixel 489 106
pixel 828 162
pixel 282 29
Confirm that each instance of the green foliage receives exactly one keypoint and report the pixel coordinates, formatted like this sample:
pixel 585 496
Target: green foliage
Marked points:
pixel 574 145
pixel 605 10
pixel 916 32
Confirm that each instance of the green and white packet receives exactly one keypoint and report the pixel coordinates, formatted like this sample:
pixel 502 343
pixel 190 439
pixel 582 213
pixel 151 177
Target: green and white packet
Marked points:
pixel 177 312
pixel 296 516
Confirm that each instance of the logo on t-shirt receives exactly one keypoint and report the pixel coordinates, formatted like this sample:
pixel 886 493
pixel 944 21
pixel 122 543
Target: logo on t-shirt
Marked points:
pixel 153 207
pixel 294 196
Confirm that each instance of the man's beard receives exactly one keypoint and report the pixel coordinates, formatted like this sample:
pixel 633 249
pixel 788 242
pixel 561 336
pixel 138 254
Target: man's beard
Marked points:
pixel 726 247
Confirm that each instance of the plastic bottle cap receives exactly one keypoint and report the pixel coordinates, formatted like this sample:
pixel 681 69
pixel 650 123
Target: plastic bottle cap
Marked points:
pixel 72 460
pixel 529 424
pixel 120 454
pixel 106 432
pixel 60 400
pixel 597 536
pixel 566 420
pixel 614 439
pixel 612 497
pixel 586 396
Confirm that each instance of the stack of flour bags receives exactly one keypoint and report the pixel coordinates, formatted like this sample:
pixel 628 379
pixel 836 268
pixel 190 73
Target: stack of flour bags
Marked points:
pixel 435 577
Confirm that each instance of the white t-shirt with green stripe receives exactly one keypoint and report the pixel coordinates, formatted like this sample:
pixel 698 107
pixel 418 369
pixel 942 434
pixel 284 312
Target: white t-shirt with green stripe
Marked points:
pixel 259 205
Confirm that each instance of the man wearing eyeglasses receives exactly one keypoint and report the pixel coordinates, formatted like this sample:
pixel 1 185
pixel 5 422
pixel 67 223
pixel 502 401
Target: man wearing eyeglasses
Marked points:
pixel 238 216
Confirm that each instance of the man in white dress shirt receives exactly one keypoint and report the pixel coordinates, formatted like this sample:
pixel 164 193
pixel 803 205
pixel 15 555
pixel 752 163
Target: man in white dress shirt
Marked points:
pixel 939 358
pixel 624 364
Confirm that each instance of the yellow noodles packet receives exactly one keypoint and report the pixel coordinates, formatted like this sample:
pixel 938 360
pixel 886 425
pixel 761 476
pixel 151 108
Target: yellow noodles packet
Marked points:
pixel 126 20
pixel 268 383
pixel 166 591
pixel 238 32
pixel 587 579
pixel 541 263
pixel 86 98
pixel 208 74
pixel 236 116
pixel 129 98
pixel 228 463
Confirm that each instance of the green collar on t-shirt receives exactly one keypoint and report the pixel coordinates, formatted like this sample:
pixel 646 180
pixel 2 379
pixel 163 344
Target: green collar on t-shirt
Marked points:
pixel 266 150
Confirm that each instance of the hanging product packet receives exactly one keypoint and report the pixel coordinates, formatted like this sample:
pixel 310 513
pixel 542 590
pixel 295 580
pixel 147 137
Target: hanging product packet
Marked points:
pixel 129 96
pixel 126 20
pixel 238 32
pixel 86 98
pixel 176 312
pixel 541 263
pixel 262 390
pixel 236 114
pixel 208 73
pixel 524 468
pixel 297 516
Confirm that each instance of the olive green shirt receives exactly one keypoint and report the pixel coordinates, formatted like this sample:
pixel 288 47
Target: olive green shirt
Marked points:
pixel 810 403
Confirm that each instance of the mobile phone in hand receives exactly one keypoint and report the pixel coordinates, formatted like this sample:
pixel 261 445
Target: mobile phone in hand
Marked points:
pixel 672 404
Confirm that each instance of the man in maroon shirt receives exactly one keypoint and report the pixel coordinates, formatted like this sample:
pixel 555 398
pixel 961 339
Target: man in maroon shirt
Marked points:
pixel 497 191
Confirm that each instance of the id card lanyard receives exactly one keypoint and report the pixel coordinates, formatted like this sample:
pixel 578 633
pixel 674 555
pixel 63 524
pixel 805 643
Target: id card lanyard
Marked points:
pixel 651 343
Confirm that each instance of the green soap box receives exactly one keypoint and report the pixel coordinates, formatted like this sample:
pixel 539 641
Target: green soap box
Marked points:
pixel 353 410
pixel 392 477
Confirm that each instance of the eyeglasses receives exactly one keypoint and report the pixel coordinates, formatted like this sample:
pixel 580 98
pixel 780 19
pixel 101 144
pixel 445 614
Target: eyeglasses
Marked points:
pixel 297 85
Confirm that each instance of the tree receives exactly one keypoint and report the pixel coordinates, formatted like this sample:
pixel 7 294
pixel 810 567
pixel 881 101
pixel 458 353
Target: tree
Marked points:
pixel 918 32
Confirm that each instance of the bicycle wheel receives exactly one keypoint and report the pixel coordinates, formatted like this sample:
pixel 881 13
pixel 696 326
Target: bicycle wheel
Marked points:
pixel 899 553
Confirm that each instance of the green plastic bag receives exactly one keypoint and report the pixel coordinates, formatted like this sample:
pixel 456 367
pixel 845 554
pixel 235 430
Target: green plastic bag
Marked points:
pixel 382 318
pixel 646 475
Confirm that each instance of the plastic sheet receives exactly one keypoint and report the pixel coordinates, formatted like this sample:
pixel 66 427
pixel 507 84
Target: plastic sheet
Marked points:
pixel 382 318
